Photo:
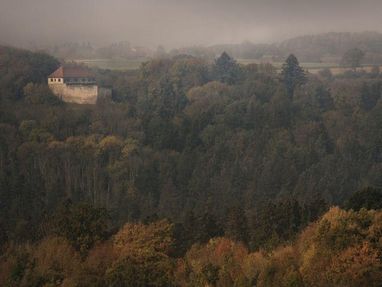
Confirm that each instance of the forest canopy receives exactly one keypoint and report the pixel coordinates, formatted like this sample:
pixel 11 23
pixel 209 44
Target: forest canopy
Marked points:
pixel 189 163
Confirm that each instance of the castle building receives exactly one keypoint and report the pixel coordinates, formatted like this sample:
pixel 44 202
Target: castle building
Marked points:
pixel 74 84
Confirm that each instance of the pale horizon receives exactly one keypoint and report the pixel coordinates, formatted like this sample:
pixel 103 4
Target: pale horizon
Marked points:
pixel 175 24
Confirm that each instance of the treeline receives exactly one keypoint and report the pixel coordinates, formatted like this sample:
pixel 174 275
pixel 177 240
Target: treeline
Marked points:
pixel 342 248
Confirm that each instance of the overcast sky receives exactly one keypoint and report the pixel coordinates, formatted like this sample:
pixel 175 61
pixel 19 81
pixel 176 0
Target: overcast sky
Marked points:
pixel 175 23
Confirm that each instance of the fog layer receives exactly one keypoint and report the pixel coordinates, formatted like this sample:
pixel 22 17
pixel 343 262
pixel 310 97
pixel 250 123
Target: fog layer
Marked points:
pixel 175 23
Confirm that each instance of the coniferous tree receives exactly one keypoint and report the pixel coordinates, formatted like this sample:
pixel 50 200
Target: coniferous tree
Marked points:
pixel 352 58
pixel 369 198
pixel 236 226
pixel 296 217
pixel 314 209
pixel 370 96
pixel 324 99
pixel 186 233
pixel 81 224
pixel 292 74
pixel 208 228
pixel 226 69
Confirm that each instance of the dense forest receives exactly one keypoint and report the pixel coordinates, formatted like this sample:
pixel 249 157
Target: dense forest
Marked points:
pixel 192 174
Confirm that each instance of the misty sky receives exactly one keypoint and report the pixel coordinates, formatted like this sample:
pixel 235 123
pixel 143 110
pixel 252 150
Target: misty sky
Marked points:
pixel 175 23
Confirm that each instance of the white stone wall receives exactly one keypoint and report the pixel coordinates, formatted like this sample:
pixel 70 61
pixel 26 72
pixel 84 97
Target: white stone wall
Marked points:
pixel 55 81
pixel 79 94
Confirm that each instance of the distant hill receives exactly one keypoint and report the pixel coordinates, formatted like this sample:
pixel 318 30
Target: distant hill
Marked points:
pixel 328 47
pixel 75 51
pixel 334 45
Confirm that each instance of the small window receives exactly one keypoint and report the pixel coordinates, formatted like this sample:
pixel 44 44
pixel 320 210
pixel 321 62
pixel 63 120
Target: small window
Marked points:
pixel 51 80
pixel 59 80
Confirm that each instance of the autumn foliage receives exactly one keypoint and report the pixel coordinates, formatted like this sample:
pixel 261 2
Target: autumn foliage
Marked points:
pixel 342 248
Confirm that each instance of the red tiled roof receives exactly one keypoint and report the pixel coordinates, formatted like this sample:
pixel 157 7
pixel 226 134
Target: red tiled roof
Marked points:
pixel 71 72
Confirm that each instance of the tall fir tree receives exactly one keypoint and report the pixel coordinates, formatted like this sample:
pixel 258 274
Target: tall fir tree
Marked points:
pixel 292 74
pixel 236 226
pixel 226 69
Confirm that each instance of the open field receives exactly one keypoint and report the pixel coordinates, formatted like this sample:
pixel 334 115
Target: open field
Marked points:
pixel 340 70
pixel 278 65
pixel 314 68
pixel 126 64
pixel 112 64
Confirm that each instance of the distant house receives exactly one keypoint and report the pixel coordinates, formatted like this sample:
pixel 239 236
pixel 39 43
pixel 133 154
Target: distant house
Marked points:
pixel 75 84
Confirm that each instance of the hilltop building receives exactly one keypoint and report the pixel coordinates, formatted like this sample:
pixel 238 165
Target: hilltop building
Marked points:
pixel 75 84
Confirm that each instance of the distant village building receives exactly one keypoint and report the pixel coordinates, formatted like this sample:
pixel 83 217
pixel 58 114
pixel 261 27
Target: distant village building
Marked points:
pixel 76 84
